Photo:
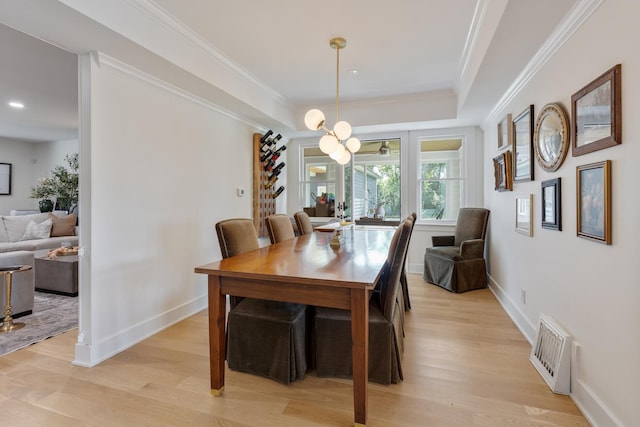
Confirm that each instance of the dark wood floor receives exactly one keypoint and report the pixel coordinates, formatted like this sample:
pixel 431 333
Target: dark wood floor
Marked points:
pixel 465 364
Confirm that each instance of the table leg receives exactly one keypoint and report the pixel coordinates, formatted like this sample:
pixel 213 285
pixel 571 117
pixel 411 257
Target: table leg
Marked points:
pixel 360 343
pixel 217 336
pixel 8 324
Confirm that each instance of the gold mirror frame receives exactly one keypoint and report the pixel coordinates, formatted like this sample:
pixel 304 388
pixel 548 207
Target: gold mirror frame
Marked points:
pixel 551 137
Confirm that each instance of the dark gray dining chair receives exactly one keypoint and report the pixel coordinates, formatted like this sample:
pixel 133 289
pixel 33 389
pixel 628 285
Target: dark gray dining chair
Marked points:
pixel 267 338
pixel 333 348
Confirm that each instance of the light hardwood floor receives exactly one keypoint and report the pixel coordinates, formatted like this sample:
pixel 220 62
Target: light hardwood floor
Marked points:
pixel 465 364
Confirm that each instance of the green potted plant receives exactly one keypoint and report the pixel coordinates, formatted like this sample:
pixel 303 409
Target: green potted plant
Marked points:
pixel 62 185
pixel 45 192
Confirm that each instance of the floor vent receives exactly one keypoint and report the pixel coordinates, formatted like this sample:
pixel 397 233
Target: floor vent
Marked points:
pixel 551 355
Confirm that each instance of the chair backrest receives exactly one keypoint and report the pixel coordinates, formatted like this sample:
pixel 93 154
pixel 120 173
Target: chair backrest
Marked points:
pixel 393 268
pixel 411 218
pixel 304 222
pixel 279 227
pixel 471 224
pixel 236 236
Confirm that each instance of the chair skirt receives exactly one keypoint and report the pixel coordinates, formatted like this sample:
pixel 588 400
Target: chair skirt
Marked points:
pixel 268 338
pixel 453 274
pixel 333 353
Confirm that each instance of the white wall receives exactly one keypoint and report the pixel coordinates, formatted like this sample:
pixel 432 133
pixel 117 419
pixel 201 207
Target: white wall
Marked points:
pixel 30 161
pixel 48 155
pixel 19 154
pixel 590 288
pixel 164 169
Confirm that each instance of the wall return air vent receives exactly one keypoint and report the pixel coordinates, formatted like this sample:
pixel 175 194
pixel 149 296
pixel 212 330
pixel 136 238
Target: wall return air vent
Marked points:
pixel 551 355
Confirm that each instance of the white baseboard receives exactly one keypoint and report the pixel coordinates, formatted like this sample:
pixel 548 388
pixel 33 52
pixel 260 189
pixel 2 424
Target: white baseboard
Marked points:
pixel 591 406
pixel 527 328
pixel 89 355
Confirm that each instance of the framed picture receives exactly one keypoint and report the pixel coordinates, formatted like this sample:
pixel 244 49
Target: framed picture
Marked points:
pixel 523 146
pixel 502 171
pixel 551 137
pixel 551 206
pixel 524 214
pixel 597 114
pixel 505 132
pixel 593 194
pixel 5 179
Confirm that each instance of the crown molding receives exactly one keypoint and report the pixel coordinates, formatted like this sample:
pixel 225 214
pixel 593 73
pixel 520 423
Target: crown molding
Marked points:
pixel 578 15
pixel 109 63
pixel 472 37
pixel 151 9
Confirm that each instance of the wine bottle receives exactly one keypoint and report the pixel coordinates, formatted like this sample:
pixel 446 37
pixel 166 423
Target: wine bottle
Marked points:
pixel 266 156
pixel 277 168
pixel 272 179
pixel 265 136
pixel 278 152
pixel 278 192
pixel 271 166
pixel 273 155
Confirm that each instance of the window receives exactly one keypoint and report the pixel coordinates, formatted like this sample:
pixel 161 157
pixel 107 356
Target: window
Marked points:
pixel 319 181
pixel 441 180
pixel 372 188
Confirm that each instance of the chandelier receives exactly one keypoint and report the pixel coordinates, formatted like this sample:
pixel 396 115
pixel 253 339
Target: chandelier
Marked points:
pixel 337 143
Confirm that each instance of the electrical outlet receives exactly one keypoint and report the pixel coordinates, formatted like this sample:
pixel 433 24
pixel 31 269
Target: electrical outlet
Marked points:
pixel 523 296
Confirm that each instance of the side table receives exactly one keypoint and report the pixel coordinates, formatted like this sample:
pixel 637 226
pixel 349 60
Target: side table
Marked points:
pixel 8 324
pixel 57 275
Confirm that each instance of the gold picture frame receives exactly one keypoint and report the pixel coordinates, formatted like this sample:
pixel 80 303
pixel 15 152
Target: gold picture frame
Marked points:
pixel 593 201
pixel 597 113
pixel 502 172
pixel 551 137
pixel 524 214
pixel 505 132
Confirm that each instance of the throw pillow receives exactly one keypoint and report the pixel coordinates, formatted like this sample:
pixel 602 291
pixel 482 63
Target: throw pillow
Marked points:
pixel 15 226
pixel 3 234
pixel 37 231
pixel 63 225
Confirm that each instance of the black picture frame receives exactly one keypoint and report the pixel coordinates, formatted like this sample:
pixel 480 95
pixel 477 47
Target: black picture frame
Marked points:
pixel 597 113
pixel 523 145
pixel 5 179
pixel 551 204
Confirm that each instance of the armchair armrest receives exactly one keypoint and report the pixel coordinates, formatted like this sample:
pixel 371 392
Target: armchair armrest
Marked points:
pixel 443 240
pixel 470 249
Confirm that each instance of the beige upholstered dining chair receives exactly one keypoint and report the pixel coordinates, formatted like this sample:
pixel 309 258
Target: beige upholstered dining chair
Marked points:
pixel 457 263
pixel 279 227
pixel 267 338
pixel 333 346
pixel 303 222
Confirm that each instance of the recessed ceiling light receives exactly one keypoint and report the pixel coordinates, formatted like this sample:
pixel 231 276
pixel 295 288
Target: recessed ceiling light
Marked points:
pixel 354 72
pixel 16 104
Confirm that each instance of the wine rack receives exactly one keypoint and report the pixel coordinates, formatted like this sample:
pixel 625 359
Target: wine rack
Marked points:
pixel 267 168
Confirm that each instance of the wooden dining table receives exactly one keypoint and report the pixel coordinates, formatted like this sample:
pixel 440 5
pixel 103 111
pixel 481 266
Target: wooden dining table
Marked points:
pixel 304 270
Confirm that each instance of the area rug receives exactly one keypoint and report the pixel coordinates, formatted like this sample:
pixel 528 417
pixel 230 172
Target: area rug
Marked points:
pixel 52 315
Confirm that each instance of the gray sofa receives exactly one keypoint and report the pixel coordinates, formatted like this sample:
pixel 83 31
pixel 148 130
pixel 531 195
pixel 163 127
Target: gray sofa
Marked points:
pixel 14 227
pixel 23 287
